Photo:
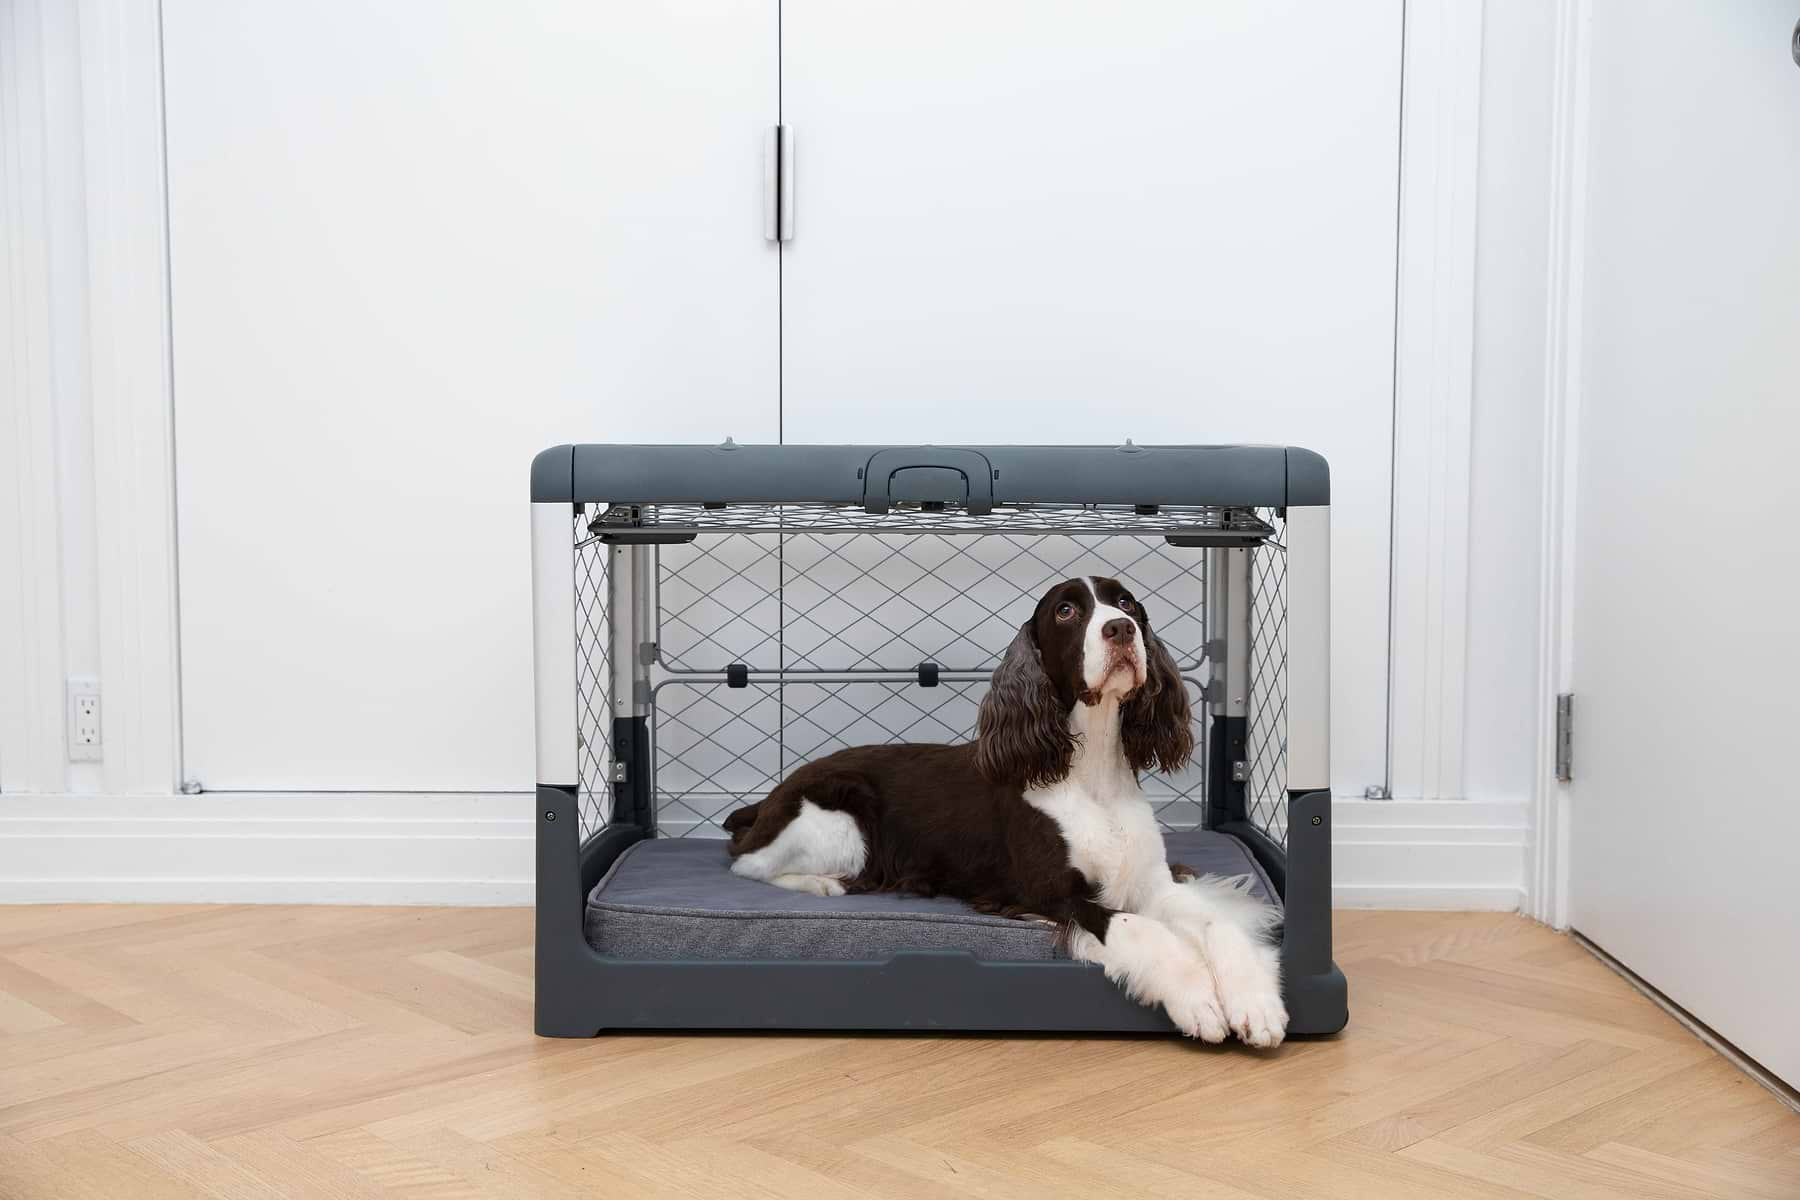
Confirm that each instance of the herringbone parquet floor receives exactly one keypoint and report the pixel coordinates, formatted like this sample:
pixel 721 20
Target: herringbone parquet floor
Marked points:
pixel 356 1052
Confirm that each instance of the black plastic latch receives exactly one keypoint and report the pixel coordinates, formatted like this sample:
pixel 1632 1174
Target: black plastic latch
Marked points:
pixel 1146 510
pixel 928 674
pixel 737 675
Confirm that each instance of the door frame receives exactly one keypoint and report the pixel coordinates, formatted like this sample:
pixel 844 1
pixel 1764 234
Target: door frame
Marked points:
pixel 1547 864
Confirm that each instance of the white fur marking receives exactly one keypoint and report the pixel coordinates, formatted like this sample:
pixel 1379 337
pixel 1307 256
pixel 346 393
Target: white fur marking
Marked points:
pixel 817 842
pixel 1094 651
pixel 818 885
pixel 1229 927
pixel 1144 957
pixel 1165 929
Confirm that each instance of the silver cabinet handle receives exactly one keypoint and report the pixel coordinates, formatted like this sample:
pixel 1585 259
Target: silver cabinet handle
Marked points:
pixel 772 184
pixel 778 184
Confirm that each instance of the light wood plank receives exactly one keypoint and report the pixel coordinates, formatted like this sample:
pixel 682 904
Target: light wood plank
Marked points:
pixel 246 1053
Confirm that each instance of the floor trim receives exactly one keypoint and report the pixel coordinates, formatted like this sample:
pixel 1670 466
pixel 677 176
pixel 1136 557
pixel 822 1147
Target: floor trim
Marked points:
pixel 479 849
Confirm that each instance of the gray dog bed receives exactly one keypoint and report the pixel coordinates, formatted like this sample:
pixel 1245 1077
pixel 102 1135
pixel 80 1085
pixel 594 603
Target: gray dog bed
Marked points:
pixel 676 898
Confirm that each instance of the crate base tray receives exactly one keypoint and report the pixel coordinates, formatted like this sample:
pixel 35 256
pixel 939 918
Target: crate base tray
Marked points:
pixel 675 898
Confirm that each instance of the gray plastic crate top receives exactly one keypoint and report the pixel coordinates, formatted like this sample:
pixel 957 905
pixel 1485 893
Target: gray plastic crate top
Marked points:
pixel 975 477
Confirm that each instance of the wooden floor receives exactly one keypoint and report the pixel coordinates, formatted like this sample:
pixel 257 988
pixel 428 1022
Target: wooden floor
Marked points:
pixel 343 1052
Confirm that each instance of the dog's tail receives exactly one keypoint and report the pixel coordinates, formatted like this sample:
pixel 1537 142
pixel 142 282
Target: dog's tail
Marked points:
pixel 740 821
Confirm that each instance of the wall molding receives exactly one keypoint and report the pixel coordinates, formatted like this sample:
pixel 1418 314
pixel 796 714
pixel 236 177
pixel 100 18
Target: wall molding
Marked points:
pixel 133 397
pixel 87 535
pixel 1434 382
pixel 1547 876
pixel 32 754
pixel 480 848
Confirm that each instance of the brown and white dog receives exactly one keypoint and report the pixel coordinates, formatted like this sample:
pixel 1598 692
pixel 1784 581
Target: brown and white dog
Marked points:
pixel 1042 816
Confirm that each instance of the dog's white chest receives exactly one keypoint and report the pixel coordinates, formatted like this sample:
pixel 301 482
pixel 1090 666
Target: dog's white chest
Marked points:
pixel 1113 840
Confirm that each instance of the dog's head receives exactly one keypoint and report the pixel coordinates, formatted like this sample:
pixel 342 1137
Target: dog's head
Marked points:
pixel 1088 642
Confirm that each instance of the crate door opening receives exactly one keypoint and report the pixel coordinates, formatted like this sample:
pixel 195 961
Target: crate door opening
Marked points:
pixel 776 649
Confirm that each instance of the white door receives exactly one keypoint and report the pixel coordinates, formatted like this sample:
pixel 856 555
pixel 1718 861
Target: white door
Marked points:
pixel 412 244
pixel 1685 859
pixel 1083 221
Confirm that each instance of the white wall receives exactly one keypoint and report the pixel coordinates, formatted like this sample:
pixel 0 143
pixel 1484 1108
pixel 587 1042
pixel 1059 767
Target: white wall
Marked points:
pixel 1506 465
pixel 1458 842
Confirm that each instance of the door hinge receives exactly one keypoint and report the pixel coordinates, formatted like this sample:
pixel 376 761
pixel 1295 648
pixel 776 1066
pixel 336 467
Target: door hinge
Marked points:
pixel 1565 736
pixel 778 184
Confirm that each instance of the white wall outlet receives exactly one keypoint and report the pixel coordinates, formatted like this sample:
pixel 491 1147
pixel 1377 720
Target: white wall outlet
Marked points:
pixel 84 719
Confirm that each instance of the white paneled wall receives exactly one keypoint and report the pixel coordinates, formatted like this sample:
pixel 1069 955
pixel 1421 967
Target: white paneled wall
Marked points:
pixel 85 595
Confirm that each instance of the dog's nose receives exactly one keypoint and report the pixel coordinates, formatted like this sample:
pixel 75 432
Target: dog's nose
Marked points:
pixel 1117 630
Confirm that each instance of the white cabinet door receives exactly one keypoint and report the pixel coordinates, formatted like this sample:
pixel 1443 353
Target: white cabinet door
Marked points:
pixel 1685 855
pixel 1082 221
pixel 412 244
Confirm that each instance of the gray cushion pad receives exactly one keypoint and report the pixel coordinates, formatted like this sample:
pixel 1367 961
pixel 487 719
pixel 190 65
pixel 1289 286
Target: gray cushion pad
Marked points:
pixel 677 898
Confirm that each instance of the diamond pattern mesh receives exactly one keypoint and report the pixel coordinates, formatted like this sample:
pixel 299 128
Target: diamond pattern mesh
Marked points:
pixel 833 623
pixel 593 677
pixel 810 603
pixel 1267 734
pixel 859 602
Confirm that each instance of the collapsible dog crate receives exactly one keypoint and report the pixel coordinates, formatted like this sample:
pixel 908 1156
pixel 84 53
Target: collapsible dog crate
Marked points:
pixel 707 618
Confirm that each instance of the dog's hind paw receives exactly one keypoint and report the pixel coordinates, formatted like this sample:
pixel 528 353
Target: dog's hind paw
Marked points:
pixel 817 885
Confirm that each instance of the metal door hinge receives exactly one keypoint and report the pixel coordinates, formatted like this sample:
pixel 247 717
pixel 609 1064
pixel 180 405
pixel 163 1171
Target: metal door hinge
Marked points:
pixel 778 184
pixel 1240 771
pixel 621 773
pixel 1565 736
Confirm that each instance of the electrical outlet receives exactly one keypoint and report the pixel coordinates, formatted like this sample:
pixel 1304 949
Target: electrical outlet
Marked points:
pixel 84 719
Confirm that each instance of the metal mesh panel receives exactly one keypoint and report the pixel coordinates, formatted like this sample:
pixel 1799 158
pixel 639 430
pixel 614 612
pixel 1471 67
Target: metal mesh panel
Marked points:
pixel 832 615
pixel 812 603
pixel 840 602
pixel 1267 735
pixel 718 601
pixel 593 677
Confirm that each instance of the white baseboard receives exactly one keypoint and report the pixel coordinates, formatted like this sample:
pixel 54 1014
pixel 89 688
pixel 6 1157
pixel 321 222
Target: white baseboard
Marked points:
pixel 412 848
pixel 1451 855
pixel 269 848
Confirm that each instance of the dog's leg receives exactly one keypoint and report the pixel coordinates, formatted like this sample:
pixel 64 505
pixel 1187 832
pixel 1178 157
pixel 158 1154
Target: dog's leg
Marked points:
pixel 814 852
pixel 1152 964
pixel 1230 929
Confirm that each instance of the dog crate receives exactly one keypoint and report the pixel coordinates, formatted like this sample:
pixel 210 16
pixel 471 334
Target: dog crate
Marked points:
pixel 707 618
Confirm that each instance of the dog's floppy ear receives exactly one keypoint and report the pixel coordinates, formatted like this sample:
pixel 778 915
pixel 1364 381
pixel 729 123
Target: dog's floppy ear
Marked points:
pixel 1156 723
pixel 1023 728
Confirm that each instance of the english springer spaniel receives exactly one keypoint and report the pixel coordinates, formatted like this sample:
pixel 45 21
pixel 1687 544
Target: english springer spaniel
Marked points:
pixel 1042 816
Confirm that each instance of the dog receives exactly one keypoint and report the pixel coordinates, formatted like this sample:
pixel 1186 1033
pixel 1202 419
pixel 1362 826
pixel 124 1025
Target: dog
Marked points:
pixel 1042 816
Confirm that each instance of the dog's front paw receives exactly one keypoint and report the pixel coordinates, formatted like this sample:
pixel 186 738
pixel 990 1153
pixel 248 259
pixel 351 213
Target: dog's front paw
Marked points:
pixel 1195 1008
pixel 1258 1017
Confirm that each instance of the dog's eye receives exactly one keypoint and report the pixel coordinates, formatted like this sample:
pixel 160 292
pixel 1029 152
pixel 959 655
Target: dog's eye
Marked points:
pixel 1127 604
pixel 1065 611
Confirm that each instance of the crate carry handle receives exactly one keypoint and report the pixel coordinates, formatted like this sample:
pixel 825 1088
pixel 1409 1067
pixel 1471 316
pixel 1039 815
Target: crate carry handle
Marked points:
pixel 931 475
